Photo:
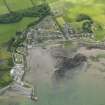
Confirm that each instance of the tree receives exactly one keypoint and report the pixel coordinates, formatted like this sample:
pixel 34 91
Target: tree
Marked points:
pixel 82 17
pixel 87 27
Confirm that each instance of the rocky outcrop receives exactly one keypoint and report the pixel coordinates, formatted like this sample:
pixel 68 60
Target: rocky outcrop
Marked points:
pixel 69 63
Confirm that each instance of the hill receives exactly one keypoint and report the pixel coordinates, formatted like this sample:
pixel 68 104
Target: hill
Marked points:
pixel 95 9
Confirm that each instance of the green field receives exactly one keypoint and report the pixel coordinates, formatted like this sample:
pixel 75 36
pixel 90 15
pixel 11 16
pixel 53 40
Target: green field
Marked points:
pixel 96 12
pixel 16 5
pixel 9 30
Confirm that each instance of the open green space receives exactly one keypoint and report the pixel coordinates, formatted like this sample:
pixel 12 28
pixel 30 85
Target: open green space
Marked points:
pixel 10 24
pixel 16 5
pixel 7 31
pixel 96 12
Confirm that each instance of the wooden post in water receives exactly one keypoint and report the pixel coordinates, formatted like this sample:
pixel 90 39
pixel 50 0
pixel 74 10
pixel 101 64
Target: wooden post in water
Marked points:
pixel 33 96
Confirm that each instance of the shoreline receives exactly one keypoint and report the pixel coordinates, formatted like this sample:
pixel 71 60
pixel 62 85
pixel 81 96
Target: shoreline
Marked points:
pixel 21 82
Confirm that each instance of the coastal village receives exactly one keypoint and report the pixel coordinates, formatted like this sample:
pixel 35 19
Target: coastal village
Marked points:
pixel 48 36
pixel 41 34
pixel 52 52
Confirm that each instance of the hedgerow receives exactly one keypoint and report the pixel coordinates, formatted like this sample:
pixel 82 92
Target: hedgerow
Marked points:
pixel 13 17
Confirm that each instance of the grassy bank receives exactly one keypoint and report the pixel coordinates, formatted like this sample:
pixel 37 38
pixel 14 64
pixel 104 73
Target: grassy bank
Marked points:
pixel 5 66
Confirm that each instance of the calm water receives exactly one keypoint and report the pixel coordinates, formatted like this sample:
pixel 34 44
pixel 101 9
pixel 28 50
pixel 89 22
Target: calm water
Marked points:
pixel 84 89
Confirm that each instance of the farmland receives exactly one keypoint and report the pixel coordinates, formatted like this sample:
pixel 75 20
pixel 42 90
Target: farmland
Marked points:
pixel 8 30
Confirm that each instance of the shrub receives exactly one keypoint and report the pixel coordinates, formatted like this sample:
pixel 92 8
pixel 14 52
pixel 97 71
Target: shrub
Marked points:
pixel 82 17
pixel 10 18
pixel 5 79
pixel 87 27
pixel 38 11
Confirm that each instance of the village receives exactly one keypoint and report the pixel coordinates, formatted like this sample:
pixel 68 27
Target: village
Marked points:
pixel 52 52
pixel 45 33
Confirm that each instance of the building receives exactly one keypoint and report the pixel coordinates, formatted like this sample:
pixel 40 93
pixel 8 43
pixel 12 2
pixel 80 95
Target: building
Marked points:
pixel 17 72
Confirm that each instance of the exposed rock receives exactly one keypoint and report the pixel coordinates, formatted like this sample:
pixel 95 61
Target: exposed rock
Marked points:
pixel 69 63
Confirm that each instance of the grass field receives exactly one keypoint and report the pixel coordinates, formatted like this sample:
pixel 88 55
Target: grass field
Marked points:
pixel 9 30
pixel 17 5
pixel 14 5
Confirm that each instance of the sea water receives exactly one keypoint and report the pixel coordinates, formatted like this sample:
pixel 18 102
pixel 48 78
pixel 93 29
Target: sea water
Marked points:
pixel 82 89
